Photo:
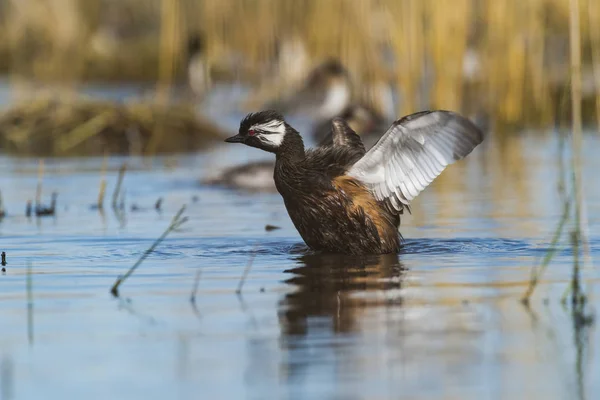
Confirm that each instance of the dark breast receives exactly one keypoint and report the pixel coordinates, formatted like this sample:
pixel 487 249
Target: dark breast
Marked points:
pixel 337 215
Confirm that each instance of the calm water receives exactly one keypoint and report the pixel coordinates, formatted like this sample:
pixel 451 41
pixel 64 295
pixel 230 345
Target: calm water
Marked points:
pixel 440 320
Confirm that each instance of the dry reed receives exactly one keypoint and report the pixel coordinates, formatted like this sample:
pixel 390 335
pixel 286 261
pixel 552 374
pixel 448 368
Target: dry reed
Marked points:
pixel 195 287
pixel 594 27
pixel 578 236
pixel 576 143
pixel 48 126
pixel 2 210
pixel 102 190
pixel 246 271
pixel 117 190
pixel 38 190
pixel 502 58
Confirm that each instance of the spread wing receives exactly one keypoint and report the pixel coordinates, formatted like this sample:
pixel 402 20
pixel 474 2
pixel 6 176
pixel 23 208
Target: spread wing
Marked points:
pixel 412 153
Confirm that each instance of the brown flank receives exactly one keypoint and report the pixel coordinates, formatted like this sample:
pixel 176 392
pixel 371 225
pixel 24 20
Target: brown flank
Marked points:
pixel 362 198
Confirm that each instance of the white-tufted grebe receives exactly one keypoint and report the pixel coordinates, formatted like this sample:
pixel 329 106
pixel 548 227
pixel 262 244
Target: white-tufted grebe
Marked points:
pixel 343 199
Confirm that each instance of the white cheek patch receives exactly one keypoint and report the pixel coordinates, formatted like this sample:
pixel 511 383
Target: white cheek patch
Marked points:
pixel 272 132
pixel 274 138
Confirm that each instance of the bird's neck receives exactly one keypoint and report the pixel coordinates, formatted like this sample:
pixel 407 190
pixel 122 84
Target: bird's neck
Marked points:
pixel 292 148
pixel 289 167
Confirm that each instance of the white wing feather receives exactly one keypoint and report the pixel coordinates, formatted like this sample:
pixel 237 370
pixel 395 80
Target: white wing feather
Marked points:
pixel 412 153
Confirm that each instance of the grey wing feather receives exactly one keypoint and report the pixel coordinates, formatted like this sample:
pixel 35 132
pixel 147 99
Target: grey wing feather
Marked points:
pixel 412 153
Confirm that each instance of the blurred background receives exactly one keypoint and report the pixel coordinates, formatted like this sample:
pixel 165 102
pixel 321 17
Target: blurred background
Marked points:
pixel 130 100
pixel 503 63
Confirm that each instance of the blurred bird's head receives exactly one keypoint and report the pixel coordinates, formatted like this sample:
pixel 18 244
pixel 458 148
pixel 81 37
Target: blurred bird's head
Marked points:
pixel 328 72
pixel 324 94
pixel 195 45
pixel 362 119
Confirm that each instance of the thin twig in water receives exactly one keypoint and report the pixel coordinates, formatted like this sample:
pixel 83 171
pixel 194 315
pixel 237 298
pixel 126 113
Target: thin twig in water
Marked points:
pixel 195 288
pixel 247 310
pixel 579 234
pixel 119 211
pixel 246 271
pixel 578 297
pixel 38 191
pixel 115 197
pixel 2 211
pixel 536 273
pixel 193 295
pixel 127 305
pixel 122 200
pixel 576 141
pixel 29 304
pixel 102 182
pixel 176 222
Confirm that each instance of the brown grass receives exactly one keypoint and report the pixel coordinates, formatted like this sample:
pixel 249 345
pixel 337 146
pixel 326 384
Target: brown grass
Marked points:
pixel 53 127
pixel 522 46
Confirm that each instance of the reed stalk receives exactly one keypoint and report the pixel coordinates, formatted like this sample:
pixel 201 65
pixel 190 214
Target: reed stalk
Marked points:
pixel 83 132
pixel 193 295
pixel 38 191
pixel 195 287
pixel 594 27
pixel 169 50
pixel 2 210
pixel 176 222
pixel 246 271
pixel 578 236
pixel 117 191
pixel 102 189
pixel 576 140
pixel 537 272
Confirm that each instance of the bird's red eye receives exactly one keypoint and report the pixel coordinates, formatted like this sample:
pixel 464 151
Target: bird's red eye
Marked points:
pixel 251 132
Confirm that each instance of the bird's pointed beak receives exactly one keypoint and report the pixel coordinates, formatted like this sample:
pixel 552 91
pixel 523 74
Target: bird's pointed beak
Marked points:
pixel 235 139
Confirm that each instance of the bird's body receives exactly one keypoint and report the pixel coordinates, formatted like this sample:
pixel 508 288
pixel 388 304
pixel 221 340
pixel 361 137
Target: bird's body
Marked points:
pixel 333 212
pixel 343 199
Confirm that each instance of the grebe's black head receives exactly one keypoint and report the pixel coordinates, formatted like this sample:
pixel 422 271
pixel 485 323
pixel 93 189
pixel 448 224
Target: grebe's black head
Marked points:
pixel 329 70
pixel 363 119
pixel 264 130
pixel 195 44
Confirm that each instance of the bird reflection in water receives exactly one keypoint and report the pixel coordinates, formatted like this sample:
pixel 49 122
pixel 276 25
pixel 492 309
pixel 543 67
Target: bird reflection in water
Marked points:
pixel 328 286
